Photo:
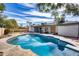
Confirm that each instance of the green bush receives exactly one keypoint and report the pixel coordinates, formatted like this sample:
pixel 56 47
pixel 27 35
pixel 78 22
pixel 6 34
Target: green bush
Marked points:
pixel 7 31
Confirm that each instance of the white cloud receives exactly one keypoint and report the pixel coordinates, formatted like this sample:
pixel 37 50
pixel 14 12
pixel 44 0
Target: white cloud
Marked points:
pixel 72 18
pixel 32 13
pixel 28 4
pixel 38 13
pixel 19 20
pixel 13 13
pixel 41 20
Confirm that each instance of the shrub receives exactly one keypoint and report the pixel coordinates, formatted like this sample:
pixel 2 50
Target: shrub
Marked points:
pixel 6 31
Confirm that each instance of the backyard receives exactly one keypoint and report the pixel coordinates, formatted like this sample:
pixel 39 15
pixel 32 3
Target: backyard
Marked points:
pixel 41 29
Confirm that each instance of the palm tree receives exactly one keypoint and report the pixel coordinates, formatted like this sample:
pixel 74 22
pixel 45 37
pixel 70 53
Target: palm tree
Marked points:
pixel 70 8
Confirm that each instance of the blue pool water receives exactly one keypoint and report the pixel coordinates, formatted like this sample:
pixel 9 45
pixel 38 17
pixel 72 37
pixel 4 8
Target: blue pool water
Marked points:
pixel 43 45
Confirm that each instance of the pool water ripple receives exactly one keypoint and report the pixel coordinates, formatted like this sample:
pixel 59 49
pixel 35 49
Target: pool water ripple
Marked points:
pixel 42 45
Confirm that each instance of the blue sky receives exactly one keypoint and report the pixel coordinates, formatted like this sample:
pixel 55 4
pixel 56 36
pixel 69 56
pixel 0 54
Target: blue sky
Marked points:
pixel 28 11
pixel 25 11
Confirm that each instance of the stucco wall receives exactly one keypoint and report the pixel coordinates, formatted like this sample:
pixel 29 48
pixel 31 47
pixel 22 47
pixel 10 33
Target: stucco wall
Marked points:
pixel 68 30
pixel 2 31
pixel 50 28
pixel 53 28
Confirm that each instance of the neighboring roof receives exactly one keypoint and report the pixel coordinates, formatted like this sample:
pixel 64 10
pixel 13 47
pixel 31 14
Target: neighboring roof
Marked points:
pixel 68 23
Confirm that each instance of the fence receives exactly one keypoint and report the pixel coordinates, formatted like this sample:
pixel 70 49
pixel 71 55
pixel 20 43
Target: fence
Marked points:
pixel 2 31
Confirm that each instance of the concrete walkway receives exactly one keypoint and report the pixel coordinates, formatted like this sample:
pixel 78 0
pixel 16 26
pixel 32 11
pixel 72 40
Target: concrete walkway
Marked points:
pixel 13 50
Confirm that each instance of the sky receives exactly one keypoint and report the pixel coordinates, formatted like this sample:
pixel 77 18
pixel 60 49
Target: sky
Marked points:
pixel 23 12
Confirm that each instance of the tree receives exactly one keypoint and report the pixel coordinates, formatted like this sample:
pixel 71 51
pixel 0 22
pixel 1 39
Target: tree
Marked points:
pixel 2 7
pixel 15 25
pixel 10 23
pixel 70 8
pixel 51 8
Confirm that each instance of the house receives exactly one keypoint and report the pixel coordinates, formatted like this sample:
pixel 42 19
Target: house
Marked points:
pixel 68 29
pixel 44 28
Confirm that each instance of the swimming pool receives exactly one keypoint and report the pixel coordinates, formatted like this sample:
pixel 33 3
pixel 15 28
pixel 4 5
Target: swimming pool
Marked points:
pixel 43 45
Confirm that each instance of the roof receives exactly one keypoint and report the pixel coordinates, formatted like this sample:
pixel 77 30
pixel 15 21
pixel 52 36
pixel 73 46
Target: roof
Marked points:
pixel 69 23
pixel 44 24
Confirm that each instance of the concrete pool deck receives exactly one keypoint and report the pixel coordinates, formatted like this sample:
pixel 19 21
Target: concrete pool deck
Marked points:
pixel 13 50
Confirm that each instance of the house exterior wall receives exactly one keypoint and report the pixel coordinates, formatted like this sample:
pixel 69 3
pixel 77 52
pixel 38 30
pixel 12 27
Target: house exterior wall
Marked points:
pixel 2 31
pixel 53 29
pixel 27 29
pixel 44 28
pixel 68 30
